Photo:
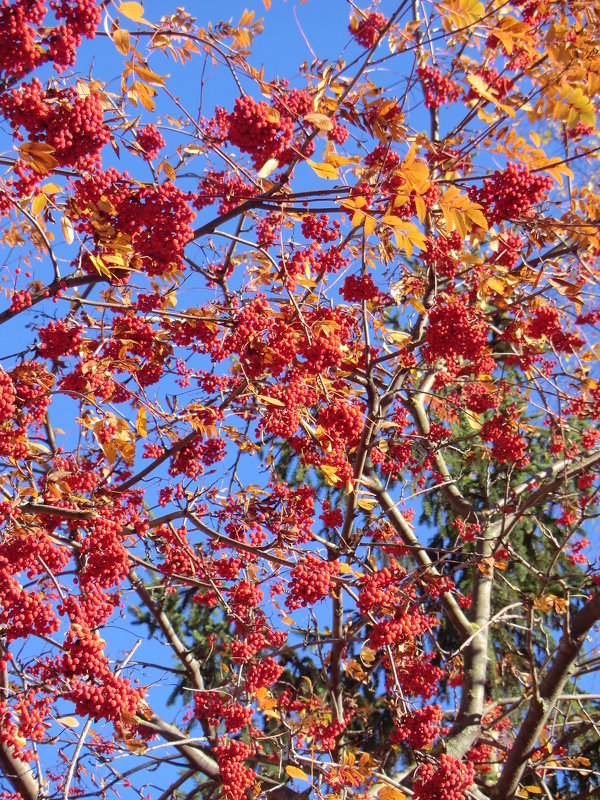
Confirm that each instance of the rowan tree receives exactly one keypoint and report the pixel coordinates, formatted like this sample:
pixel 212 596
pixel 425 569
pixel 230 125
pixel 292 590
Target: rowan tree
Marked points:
pixel 299 403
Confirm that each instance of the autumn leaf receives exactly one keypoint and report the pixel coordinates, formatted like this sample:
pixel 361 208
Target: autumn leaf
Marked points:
pixel 39 155
pixel 133 11
pixel 324 170
pixel 296 772
pixel 320 121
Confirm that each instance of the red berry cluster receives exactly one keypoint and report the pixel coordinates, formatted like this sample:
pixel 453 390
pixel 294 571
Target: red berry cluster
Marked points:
pixel 159 221
pixel 72 124
pixel 443 254
pixel 455 329
pixel 229 189
pixel 311 580
pixel 407 624
pixel 509 250
pixel 437 87
pixel 417 676
pixel 448 781
pixel 7 397
pixel 104 696
pixel 380 589
pixel 468 531
pixel 20 300
pixel 547 323
pixel 268 229
pixel 419 728
pixel 262 673
pixel 343 422
pixel 235 777
pixel 319 228
pixel 332 517
pixel 367 30
pixel 259 129
pixel 479 397
pixel 508 446
pixel 511 193
pixel 150 140
pixel 106 559
pixel 10 736
pixel 359 288
pixel 19 52
pixel 215 708
pixel 244 595
pixel 59 338
pixel 326 734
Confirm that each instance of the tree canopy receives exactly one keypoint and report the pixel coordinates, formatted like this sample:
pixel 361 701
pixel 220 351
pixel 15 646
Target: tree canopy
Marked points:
pixel 299 400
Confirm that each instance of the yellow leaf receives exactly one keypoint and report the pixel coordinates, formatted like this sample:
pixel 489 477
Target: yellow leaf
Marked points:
pixel 52 188
pixel 341 161
pixel 68 722
pixel 122 40
pixel 167 169
pixel 331 475
pixel 327 171
pixel 367 656
pixel 39 203
pixel 39 155
pixel 320 121
pixel 145 95
pixel 532 789
pixel 370 223
pixel 296 772
pixel 148 75
pixel 390 793
pixel 133 11
pixel 267 168
pixel 367 505
pixel 140 422
pixel 67 229
pixel 270 400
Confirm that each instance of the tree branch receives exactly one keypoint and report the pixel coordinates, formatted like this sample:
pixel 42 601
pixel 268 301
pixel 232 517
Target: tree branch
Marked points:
pixel 550 690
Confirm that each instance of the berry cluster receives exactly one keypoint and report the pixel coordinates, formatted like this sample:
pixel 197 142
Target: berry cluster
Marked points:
pixel 343 422
pixel 509 250
pixel 229 189
pixel 511 193
pixel 359 288
pixel 235 777
pixel 7 397
pixel 367 30
pixel 105 696
pixel 72 124
pixel 21 43
pixel 259 129
pixel 59 338
pixel 262 673
pixel 380 589
pixel 150 139
pixel 319 228
pixel 419 728
pixel 455 329
pixel 449 781
pixel 443 254
pixel 437 87
pixel 508 446
pixel 417 676
pixel 215 707
pixel 479 397
pixel 311 580
pixel 19 52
